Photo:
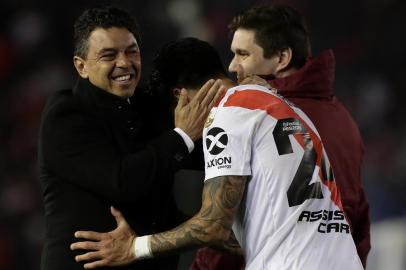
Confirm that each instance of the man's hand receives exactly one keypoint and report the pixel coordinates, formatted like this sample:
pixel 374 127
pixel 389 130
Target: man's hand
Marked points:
pixel 254 79
pixel 114 248
pixel 190 116
pixel 250 79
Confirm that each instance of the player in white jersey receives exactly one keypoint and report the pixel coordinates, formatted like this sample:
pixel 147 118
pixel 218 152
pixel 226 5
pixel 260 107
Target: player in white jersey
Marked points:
pixel 267 177
pixel 291 216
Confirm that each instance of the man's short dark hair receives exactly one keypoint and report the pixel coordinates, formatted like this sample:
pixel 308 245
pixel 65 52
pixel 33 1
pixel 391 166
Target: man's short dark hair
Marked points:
pixel 276 28
pixel 186 63
pixel 100 17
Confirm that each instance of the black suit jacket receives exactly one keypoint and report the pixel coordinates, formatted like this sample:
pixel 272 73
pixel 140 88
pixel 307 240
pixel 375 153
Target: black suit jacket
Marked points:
pixel 96 150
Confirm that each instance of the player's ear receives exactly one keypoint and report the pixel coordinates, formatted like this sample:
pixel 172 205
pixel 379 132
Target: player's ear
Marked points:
pixel 176 92
pixel 80 65
pixel 284 58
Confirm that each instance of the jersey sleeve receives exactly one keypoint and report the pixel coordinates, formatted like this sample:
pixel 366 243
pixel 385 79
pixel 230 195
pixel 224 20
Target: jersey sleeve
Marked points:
pixel 227 141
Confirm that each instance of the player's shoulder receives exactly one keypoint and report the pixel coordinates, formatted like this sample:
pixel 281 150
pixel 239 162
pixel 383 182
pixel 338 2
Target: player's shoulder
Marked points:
pixel 250 97
pixel 246 89
pixel 61 102
pixel 60 99
pixel 61 95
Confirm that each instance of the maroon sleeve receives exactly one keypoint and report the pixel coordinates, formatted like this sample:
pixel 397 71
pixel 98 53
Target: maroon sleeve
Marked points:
pixel 210 259
pixel 361 233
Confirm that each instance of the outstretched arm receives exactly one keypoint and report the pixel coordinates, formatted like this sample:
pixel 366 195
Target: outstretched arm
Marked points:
pixel 210 226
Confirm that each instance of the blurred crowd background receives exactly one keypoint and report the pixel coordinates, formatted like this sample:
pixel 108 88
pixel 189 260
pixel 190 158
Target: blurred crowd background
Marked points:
pixel 369 41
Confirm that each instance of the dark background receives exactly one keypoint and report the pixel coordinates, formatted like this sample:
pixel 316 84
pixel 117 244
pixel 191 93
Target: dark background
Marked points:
pixel 368 38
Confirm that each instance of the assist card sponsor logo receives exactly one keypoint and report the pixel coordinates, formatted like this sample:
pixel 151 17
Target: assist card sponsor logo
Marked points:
pixel 329 221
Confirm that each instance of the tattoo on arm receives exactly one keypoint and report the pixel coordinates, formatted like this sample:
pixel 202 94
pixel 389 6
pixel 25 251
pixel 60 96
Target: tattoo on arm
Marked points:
pixel 212 224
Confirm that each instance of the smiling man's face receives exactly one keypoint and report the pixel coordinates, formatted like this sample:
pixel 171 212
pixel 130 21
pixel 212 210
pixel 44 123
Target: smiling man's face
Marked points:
pixel 113 61
pixel 250 56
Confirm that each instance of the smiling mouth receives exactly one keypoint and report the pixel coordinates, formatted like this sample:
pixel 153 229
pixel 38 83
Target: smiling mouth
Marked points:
pixel 123 78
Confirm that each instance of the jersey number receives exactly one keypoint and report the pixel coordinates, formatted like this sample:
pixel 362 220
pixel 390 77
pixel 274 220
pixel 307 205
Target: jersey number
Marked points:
pixel 300 189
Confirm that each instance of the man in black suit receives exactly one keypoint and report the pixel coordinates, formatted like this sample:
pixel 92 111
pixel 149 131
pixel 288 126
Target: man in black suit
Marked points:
pixel 96 147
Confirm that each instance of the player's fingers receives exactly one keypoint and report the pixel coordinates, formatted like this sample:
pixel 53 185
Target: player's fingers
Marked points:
pixel 89 256
pixel 96 264
pixel 247 80
pixel 88 245
pixel 254 79
pixel 118 216
pixel 218 95
pixel 89 235
pixel 182 99
pixel 208 99
pixel 203 91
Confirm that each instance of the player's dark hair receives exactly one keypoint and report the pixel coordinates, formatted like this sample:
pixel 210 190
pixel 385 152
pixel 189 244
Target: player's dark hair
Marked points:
pixel 277 27
pixel 186 63
pixel 100 17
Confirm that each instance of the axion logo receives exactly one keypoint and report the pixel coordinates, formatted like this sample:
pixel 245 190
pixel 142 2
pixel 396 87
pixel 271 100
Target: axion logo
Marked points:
pixel 216 140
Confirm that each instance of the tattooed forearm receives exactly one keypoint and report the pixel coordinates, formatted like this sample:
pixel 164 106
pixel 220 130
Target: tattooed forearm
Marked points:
pixel 212 224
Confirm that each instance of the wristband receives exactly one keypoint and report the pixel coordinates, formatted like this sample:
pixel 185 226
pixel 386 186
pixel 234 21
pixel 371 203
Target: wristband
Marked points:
pixel 142 247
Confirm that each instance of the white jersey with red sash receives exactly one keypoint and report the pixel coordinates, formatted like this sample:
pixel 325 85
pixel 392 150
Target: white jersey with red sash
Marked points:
pixel 291 215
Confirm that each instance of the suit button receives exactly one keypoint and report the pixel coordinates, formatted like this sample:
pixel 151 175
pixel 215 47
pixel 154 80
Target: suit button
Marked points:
pixel 178 157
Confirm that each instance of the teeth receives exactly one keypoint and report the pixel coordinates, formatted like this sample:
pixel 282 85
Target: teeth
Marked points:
pixel 122 78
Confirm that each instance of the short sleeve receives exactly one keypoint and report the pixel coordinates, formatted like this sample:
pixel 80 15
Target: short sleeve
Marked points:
pixel 227 141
